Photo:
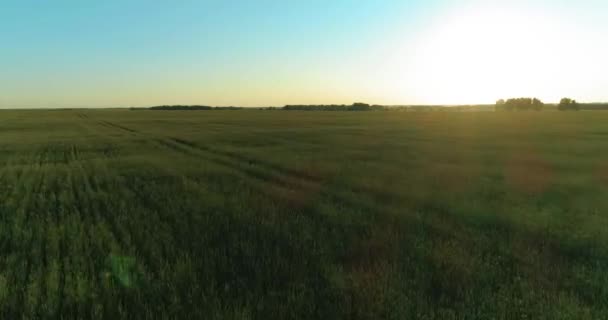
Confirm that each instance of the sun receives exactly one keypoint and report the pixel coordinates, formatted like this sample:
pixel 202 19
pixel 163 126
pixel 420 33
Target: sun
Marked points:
pixel 478 54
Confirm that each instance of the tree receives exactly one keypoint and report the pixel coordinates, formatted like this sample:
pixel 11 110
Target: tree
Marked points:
pixel 567 104
pixel 358 106
pixel 537 104
pixel 519 104
pixel 500 104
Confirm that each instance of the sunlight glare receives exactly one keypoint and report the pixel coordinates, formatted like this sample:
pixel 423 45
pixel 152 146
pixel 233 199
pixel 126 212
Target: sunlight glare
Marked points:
pixel 480 54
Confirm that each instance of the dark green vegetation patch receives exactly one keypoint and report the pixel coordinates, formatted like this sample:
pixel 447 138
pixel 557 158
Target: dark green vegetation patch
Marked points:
pixel 303 215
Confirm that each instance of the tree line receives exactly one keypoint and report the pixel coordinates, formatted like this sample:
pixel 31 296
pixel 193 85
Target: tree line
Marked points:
pixel 519 104
pixel 567 104
pixel 524 104
pixel 357 106
pixel 515 104
pixel 194 107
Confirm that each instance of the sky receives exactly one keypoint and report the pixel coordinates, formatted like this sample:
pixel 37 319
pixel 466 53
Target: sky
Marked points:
pixel 127 53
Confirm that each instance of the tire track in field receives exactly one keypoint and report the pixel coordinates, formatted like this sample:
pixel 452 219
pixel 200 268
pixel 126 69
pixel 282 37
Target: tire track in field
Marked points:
pixel 249 160
pixel 300 189
pixel 275 174
pixel 300 184
pixel 107 124
pixel 278 175
pixel 82 115
pixel 117 126
pixel 253 168
pixel 184 146
pixel 258 170
pixel 295 189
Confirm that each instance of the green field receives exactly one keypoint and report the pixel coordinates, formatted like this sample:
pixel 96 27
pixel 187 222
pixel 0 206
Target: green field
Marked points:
pixel 309 215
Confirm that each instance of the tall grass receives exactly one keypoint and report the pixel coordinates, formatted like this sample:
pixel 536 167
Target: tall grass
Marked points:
pixel 303 215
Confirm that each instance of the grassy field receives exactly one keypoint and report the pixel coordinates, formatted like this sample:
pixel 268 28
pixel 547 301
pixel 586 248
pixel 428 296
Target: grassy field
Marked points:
pixel 309 215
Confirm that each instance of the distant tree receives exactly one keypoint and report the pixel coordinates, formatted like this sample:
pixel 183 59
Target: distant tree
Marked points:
pixel 192 108
pixel 537 104
pixel 181 107
pixel 332 107
pixel 378 107
pixel 567 104
pixel 500 105
pixel 358 106
pixel 519 104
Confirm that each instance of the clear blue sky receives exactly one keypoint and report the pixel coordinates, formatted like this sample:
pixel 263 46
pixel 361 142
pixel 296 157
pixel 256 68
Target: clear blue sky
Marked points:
pixel 234 52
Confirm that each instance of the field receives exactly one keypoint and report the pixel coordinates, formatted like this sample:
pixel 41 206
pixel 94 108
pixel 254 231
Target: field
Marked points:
pixel 123 214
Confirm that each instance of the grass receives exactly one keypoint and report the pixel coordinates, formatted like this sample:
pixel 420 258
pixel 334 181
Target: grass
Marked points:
pixel 303 215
